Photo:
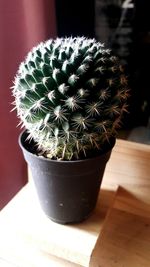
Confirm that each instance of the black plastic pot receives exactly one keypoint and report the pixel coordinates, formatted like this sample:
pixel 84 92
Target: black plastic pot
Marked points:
pixel 67 190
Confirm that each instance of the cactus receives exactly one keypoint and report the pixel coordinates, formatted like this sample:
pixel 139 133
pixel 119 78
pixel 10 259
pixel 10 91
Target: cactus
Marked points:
pixel 70 94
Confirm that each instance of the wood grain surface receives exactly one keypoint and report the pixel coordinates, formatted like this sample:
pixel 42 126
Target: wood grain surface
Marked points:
pixel 125 238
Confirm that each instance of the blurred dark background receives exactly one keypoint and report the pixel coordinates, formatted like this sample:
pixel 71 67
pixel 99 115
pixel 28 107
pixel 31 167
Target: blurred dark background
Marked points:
pixel 75 18
pixel 123 25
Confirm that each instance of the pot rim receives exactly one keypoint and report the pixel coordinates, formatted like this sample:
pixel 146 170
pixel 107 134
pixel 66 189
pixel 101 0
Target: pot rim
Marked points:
pixel 21 144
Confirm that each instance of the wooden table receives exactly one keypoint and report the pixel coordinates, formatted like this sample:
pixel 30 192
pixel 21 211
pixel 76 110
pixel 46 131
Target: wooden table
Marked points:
pixel 116 235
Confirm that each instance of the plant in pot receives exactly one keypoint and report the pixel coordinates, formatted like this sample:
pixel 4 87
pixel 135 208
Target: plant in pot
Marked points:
pixel 70 95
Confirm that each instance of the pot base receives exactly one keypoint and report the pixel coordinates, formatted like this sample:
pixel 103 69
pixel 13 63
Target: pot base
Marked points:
pixel 70 222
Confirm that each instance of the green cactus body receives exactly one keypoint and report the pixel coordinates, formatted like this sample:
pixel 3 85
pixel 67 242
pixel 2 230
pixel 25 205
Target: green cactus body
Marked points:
pixel 70 94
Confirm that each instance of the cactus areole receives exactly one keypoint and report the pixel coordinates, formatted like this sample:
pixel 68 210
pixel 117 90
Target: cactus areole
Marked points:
pixel 70 95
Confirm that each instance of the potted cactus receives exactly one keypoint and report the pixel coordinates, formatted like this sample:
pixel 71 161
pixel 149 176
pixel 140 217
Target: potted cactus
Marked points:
pixel 70 95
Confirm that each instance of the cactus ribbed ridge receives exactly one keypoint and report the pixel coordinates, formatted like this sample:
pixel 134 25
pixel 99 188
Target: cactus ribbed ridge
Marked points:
pixel 70 94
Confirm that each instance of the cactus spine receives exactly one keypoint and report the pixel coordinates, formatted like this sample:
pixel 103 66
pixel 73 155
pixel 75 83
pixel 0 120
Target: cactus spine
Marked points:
pixel 70 94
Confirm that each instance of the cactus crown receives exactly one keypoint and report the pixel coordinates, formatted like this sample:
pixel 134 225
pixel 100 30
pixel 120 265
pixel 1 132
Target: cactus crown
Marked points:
pixel 70 94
